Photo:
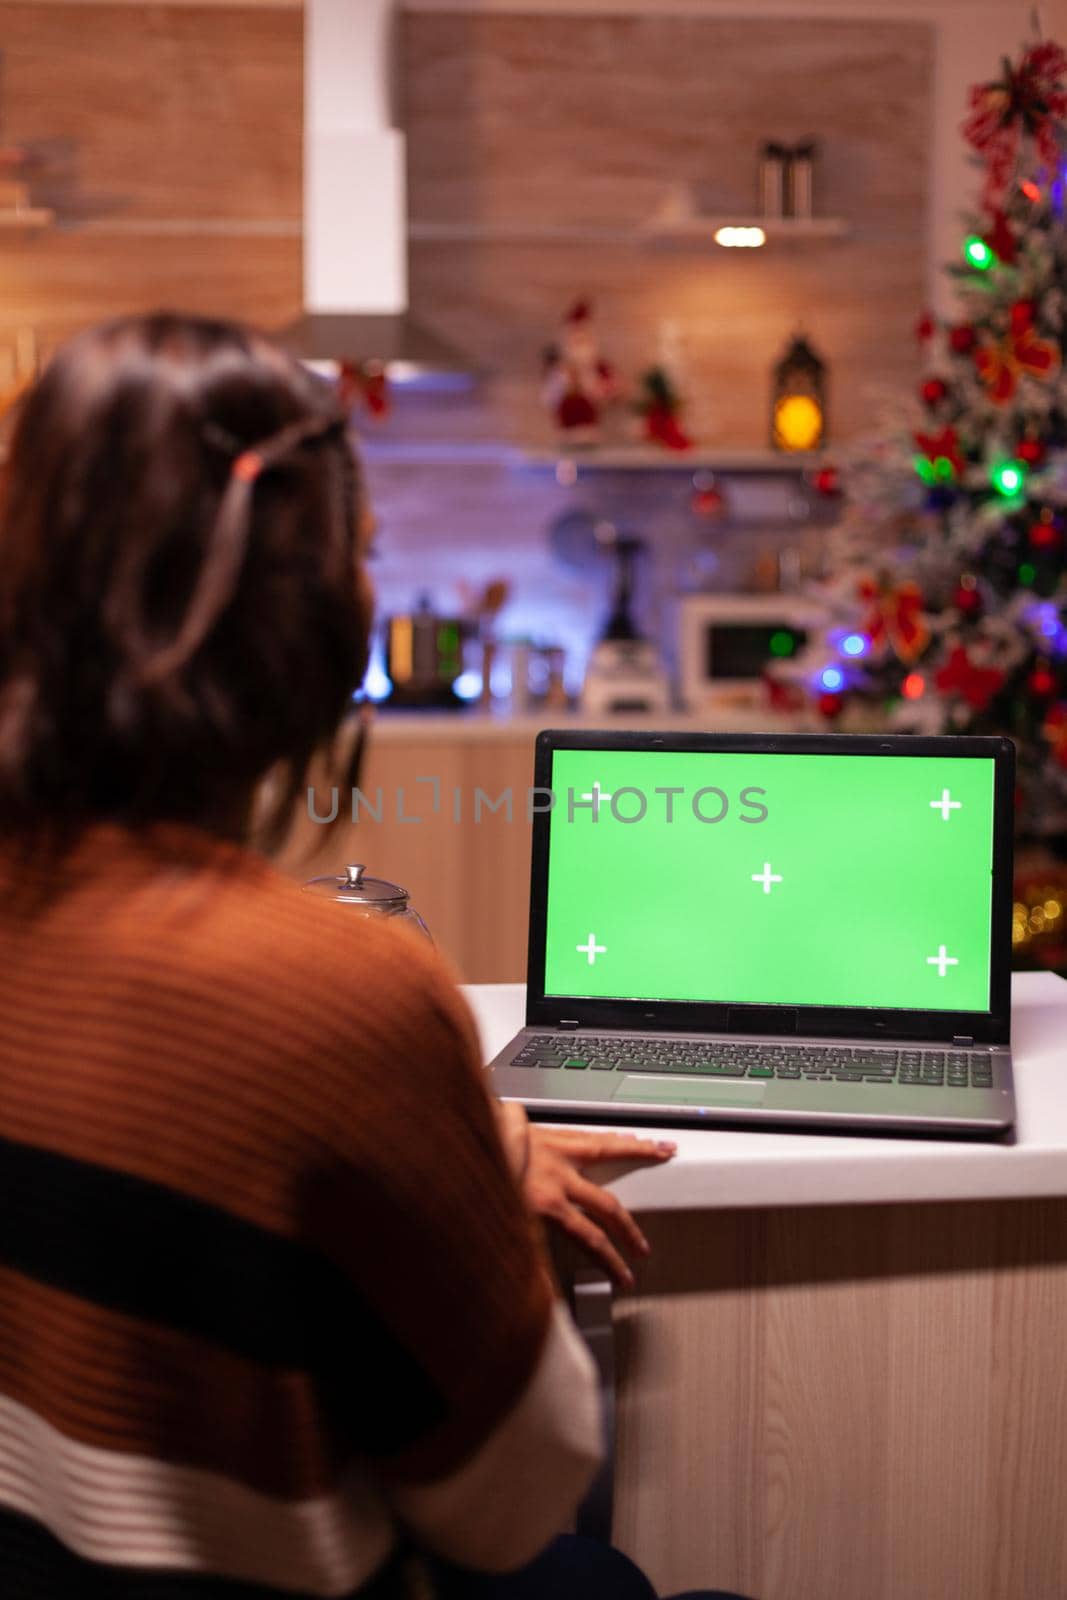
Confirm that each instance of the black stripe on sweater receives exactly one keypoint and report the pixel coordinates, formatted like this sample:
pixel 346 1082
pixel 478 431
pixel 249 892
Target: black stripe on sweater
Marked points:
pixel 34 1565
pixel 153 1253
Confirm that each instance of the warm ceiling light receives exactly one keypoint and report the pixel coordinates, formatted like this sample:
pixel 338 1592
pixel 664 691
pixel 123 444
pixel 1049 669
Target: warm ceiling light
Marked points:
pixel 740 238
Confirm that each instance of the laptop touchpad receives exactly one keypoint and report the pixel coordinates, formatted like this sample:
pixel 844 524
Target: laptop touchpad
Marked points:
pixel 687 1092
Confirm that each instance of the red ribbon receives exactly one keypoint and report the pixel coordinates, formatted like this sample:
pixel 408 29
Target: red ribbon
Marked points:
pixel 1026 102
pixel 1022 354
pixel 896 618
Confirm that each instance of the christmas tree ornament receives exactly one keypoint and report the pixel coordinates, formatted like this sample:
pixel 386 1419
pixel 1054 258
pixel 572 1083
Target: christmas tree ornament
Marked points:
pixel 962 338
pixel 925 328
pixel 968 599
pixel 798 407
pixel 914 686
pixel 933 391
pixel 973 683
pixel 1047 532
pixel 831 705
pixel 1041 683
pixel 1031 452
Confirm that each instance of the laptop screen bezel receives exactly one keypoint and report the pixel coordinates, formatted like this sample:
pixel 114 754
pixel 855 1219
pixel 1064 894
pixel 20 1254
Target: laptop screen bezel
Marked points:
pixel 987 1027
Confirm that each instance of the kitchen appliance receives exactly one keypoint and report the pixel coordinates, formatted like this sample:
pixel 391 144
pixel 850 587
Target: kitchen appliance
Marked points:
pixel 726 640
pixel 624 672
pixel 369 897
pixel 424 658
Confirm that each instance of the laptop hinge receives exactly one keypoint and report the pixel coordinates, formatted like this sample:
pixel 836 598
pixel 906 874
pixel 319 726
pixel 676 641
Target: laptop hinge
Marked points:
pixel 570 1023
pixel 963 1038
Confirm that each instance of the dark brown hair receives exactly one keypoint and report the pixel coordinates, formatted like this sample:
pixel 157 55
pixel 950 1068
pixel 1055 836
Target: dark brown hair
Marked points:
pixel 178 579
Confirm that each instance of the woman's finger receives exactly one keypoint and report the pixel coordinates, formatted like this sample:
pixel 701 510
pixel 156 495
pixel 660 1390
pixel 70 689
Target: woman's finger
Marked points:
pixel 595 1242
pixel 607 1209
pixel 589 1147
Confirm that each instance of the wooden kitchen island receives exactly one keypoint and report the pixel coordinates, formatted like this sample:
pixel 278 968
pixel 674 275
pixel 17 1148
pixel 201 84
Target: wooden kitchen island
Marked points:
pixel 843 1373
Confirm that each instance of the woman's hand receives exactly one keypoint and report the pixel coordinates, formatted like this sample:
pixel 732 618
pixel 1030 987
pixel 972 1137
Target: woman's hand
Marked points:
pixel 557 1188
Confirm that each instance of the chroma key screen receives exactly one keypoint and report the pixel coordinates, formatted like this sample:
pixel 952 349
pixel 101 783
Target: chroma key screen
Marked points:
pixel 787 879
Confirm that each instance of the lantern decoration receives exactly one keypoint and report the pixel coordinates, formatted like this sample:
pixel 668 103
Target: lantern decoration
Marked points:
pixel 798 409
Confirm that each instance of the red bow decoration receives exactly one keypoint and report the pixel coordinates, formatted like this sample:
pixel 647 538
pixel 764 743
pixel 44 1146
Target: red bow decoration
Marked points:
pixel 976 685
pixel 1022 354
pixel 945 443
pixel 895 618
pixel 1026 102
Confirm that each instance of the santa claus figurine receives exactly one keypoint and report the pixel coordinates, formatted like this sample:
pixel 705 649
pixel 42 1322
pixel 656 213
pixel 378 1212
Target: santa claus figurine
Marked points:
pixel 577 382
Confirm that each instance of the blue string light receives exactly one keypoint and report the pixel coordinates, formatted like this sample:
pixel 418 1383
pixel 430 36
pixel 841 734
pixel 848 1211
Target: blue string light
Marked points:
pixel 831 679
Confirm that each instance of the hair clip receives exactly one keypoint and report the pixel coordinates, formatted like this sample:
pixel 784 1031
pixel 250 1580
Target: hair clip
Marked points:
pixel 248 466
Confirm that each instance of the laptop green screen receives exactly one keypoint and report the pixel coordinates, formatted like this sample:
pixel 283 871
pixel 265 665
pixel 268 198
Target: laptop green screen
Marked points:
pixel 784 879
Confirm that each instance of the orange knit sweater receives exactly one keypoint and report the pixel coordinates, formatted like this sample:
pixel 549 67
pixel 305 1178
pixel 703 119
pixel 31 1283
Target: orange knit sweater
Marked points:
pixel 271 1310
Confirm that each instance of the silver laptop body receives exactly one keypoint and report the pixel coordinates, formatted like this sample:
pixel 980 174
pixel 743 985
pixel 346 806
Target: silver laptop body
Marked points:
pixel 810 930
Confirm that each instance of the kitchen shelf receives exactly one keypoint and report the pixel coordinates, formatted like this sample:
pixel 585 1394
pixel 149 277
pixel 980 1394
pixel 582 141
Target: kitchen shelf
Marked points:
pixel 647 458
pixel 668 229
pixel 700 230
pixel 27 219
pixel 569 465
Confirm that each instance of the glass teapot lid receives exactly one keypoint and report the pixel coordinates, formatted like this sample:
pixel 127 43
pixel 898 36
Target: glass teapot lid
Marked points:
pixel 353 887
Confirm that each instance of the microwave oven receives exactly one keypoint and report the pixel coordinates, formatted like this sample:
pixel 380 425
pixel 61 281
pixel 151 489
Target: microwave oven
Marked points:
pixel 726 640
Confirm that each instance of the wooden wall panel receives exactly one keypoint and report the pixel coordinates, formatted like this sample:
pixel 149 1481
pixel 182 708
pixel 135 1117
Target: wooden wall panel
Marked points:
pixel 535 122
pixel 185 125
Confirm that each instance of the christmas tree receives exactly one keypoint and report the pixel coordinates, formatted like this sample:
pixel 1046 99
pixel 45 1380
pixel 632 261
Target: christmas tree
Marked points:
pixel 948 602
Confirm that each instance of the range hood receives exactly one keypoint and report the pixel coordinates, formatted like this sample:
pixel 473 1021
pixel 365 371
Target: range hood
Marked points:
pixel 355 205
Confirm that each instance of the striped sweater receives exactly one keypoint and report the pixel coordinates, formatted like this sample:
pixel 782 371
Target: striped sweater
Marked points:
pixel 272 1313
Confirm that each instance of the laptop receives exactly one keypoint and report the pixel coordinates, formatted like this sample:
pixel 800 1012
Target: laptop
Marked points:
pixel 769 929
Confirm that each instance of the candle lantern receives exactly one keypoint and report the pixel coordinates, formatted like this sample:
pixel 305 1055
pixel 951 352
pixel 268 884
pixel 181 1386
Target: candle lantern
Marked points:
pixel 798 405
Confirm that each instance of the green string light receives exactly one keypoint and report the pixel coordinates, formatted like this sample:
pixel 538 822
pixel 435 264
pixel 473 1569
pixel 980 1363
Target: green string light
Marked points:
pixel 977 253
pixel 1027 574
pixel 1009 478
pixel 925 468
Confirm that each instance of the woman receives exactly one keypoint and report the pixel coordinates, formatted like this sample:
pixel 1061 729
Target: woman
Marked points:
pixel 274 1312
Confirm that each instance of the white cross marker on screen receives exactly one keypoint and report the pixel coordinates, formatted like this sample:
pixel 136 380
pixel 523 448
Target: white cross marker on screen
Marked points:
pixel 766 877
pixel 592 950
pixel 942 961
pixel 945 805
pixel 596 794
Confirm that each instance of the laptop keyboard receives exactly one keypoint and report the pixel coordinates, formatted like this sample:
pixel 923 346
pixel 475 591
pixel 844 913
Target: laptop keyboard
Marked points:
pixel 954 1069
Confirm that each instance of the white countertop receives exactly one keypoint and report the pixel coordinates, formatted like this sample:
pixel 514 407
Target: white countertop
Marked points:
pixel 474 725
pixel 718 1168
